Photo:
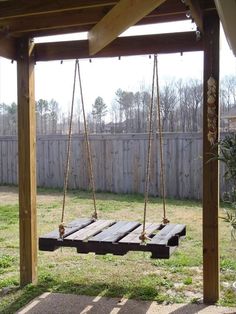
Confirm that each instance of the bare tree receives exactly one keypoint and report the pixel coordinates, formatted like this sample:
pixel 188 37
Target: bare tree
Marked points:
pixel 99 111
pixel 168 101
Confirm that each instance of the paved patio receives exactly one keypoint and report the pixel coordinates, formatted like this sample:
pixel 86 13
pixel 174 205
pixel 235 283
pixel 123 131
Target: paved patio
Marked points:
pixel 49 303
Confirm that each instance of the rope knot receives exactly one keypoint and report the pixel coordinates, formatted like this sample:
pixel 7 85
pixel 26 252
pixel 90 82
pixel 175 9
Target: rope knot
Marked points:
pixel 61 230
pixel 143 237
pixel 95 216
pixel 165 221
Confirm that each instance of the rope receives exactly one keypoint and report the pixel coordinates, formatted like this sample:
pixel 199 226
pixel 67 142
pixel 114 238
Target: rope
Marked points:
pixel 143 235
pixel 95 214
pixel 67 167
pixel 163 190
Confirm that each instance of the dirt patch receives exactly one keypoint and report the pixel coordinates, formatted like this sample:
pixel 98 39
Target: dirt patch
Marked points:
pixel 9 195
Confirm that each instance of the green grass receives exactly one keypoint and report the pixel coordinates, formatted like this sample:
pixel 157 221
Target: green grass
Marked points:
pixel 134 275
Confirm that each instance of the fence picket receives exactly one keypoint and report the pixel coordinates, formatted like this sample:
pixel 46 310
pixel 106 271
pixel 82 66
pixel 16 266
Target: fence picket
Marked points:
pixel 119 163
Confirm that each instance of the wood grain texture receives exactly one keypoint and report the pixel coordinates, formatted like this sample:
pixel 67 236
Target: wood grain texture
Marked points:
pixel 72 227
pixel 133 237
pixel 7 48
pixel 115 232
pixel 27 163
pixel 45 17
pixel 210 169
pixel 56 20
pixel 90 230
pixel 21 8
pixel 125 14
pixel 168 231
pixel 81 20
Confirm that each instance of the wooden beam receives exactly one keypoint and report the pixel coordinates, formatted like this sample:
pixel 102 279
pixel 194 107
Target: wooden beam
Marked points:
pixel 125 14
pixel 20 8
pixel 7 48
pixel 78 20
pixel 42 29
pixel 196 13
pixel 56 20
pixel 122 46
pixel 26 160
pixel 210 168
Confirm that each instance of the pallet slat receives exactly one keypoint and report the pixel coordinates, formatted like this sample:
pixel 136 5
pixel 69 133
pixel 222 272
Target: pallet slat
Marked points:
pixel 133 237
pixel 116 237
pixel 51 240
pixel 115 232
pixel 90 230
pixel 72 227
pixel 167 233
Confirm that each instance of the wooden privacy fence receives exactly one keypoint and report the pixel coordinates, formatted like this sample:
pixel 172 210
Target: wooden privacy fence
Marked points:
pixel 119 163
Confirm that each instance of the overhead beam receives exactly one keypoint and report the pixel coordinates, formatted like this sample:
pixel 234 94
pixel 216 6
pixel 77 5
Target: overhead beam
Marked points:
pixel 122 46
pixel 53 21
pixel 67 29
pixel 7 48
pixel 78 20
pixel 27 162
pixel 20 8
pixel 125 14
pixel 65 22
pixel 196 13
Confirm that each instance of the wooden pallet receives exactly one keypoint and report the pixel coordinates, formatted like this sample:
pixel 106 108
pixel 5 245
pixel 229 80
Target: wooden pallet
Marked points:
pixel 116 237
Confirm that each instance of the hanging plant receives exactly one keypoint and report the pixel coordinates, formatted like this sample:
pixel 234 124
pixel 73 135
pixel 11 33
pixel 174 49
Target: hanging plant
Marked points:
pixel 211 110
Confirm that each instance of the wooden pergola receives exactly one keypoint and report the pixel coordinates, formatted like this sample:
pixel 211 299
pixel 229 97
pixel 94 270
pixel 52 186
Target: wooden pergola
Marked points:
pixel 105 20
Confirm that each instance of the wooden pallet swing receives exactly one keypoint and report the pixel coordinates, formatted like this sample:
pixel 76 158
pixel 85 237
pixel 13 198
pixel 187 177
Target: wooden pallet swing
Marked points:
pixel 117 237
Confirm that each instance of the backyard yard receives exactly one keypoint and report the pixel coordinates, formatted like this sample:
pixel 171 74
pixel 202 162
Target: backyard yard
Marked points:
pixel 134 275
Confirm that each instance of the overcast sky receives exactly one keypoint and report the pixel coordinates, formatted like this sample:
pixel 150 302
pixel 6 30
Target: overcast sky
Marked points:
pixel 102 77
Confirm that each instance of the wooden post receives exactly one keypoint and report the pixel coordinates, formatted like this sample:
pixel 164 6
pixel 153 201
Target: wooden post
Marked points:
pixel 210 169
pixel 27 156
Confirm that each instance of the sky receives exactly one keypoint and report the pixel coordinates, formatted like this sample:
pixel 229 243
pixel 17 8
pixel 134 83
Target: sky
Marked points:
pixel 103 76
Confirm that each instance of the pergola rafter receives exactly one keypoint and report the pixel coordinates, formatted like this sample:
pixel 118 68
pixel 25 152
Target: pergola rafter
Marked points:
pixel 125 14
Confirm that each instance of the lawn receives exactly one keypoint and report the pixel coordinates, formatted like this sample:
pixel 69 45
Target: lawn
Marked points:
pixel 134 275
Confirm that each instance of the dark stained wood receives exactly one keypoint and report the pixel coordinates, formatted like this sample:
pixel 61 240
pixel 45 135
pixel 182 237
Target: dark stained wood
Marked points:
pixel 56 21
pixel 72 227
pixel 27 161
pixel 23 8
pixel 7 48
pixel 122 46
pixel 167 233
pixel 63 17
pixel 115 232
pixel 83 20
pixel 65 22
pixel 133 237
pixel 210 169
pixel 107 236
pixel 11 29
pixel 89 231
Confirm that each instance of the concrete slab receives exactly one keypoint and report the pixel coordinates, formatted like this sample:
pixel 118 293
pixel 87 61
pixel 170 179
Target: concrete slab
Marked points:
pixel 49 303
